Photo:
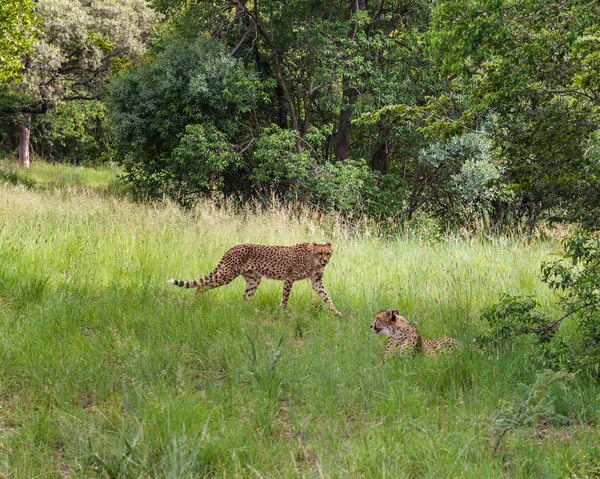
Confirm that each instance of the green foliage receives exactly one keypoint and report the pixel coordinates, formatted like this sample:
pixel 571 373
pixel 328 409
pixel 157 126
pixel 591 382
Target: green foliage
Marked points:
pixel 586 53
pixel 308 63
pixel 74 132
pixel 182 116
pixel 461 178
pixel 513 316
pixel 534 405
pixel 344 186
pixel 200 162
pixel 576 276
pixel 18 33
pixel 73 56
pixel 300 176
pixel 281 168
pixel 184 120
pixel 547 156
pixel 534 65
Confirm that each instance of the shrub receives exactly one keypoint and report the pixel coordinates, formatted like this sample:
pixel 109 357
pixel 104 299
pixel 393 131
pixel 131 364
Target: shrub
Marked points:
pixel 301 176
pixel 575 277
pixel 462 177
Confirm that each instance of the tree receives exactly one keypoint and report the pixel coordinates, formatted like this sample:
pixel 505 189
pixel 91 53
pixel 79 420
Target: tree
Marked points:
pixel 18 30
pixel 349 91
pixel 81 43
pixel 328 60
pixel 535 66
pixel 184 117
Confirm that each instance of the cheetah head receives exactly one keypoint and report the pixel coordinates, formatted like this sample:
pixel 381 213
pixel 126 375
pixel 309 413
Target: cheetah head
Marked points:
pixel 386 321
pixel 321 254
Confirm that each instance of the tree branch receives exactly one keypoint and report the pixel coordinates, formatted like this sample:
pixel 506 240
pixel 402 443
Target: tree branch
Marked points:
pixel 269 39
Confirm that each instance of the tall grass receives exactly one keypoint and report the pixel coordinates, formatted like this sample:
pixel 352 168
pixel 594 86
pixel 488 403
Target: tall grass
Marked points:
pixel 107 371
pixel 60 176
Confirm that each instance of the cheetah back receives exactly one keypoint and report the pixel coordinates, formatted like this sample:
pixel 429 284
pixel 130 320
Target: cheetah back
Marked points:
pixel 273 262
pixel 438 345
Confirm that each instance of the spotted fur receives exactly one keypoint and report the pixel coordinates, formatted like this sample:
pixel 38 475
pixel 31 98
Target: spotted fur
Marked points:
pixel 439 345
pixel 284 263
pixel 403 337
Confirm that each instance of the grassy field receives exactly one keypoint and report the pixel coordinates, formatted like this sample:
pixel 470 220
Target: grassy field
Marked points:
pixel 62 177
pixel 107 371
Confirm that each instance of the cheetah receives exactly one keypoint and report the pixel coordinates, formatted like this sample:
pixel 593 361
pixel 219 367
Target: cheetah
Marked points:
pixel 284 263
pixel 404 337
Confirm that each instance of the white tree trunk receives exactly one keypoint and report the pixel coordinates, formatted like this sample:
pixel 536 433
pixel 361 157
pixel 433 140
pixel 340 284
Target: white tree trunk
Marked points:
pixel 24 134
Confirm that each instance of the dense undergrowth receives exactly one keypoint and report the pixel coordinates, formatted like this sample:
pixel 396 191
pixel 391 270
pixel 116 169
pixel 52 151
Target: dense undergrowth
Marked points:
pixel 106 371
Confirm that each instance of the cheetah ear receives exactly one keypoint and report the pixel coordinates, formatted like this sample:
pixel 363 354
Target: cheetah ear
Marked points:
pixel 394 313
pixel 314 244
pixel 328 244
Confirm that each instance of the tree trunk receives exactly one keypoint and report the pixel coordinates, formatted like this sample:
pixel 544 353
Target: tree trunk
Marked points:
pixel 281 110
pixel 380 159
pixel 24 134
pixel 342 143
pixel 349 94
pixel 282 90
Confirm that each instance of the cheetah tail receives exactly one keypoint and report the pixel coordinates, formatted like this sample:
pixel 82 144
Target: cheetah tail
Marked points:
pixel 183 284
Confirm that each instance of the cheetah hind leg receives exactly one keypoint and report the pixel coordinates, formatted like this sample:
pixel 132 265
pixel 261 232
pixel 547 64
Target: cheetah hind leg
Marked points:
pixel 287 288
pixel 252 281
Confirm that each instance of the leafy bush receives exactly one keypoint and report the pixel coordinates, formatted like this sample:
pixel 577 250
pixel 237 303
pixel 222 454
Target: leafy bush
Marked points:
pixel 201 161
pixel 575 277
pixel 300 176
pixel 188 96
pixel 463 178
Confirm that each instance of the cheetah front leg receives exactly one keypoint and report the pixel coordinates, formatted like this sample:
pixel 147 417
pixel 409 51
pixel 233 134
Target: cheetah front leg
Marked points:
pixel 317 284
pixel 287 288
pixel 394 347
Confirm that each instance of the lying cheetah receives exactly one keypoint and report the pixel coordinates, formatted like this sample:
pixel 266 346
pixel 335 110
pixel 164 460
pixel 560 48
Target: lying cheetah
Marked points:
pixel 403 337
pixel 285 263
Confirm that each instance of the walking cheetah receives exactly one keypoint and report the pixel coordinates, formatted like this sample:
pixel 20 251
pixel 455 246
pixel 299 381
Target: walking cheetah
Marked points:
pixel 284 263
pixel 404 337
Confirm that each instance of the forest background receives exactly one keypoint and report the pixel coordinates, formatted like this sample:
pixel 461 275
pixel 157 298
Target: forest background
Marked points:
pixel 484 111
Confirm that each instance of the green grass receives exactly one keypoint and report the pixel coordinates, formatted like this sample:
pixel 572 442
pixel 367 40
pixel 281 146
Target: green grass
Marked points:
pixel 107 371
pixel 62 177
